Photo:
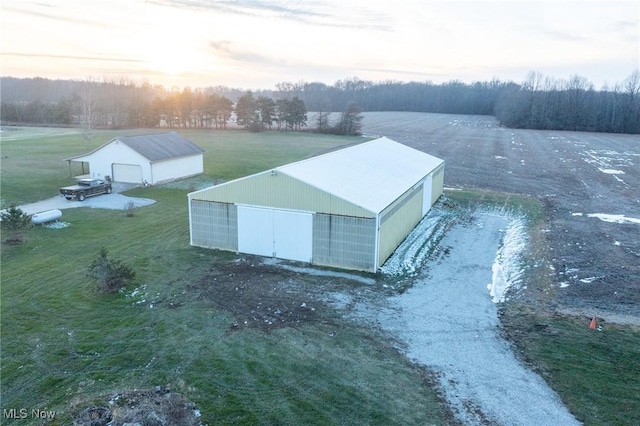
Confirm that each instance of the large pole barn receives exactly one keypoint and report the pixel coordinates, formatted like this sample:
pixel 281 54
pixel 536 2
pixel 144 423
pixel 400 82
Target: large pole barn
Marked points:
pixel 349 208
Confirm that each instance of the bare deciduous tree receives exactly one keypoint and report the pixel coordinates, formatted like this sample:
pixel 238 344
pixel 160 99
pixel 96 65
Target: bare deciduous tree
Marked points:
pixel 86 100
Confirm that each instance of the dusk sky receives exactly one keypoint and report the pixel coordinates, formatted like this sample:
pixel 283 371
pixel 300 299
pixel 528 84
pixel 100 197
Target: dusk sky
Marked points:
pixel 253 44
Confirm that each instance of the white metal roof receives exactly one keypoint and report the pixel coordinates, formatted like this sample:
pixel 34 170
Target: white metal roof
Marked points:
pixel 372 174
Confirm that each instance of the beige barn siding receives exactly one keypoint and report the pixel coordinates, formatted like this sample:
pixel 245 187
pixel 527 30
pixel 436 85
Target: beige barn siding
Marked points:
pixel 437 183
pixel 397 220
pixel 280 191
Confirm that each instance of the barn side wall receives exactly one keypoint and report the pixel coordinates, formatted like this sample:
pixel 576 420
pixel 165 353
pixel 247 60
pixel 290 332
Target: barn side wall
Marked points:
pixel 214 225
pixel 397 221
pixel 176 168
pixel 437 183
pixel 344 242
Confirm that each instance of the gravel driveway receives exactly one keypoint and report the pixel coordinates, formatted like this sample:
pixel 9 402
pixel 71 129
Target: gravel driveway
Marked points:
pixel 448 322
pixel 113 201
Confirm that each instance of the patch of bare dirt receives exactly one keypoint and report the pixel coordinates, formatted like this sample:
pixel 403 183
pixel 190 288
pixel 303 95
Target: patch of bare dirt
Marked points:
pixel 265 297
pixel 149 407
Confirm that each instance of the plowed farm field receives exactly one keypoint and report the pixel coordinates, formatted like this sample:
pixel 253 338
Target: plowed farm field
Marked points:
pixel 588 182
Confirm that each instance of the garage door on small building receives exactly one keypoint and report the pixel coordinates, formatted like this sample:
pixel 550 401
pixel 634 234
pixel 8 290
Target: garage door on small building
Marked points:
pixel 285 234
pixel 131 173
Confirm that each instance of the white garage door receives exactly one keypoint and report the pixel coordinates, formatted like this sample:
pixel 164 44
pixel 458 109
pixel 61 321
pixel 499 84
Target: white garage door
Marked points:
pixel 127 173
pixel 268 232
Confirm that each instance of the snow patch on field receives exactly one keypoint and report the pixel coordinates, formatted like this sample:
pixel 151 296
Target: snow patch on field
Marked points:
pixel 507 267
pixel 589 280
pixel 138 294
pixel 58 224
pixel 621 181
pixel 614 218
pixel 611 171
pixel 468 122
pixel 610 162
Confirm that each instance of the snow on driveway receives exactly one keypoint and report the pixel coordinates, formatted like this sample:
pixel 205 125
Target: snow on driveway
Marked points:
pixel 448 322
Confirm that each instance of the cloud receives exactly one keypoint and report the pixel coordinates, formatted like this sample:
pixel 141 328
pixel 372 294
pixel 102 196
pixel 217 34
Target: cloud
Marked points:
pixel 255 8
pixel 627 25
pixel 628 29
pixel 225 49
pixel 222 47
pixel 71 57
pixel 324 14
pixel 287 67
pixel 52 15
pixel 565 36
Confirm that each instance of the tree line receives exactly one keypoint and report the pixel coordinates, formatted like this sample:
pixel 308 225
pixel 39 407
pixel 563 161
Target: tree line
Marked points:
pixel 539 102
pixel 544 103
pixel 263 112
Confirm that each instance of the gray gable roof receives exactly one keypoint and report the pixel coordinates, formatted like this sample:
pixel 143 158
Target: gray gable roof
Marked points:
pixel 161 146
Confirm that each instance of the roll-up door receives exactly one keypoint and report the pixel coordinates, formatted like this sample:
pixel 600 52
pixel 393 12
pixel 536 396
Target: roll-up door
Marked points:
pixel 285 234
pixel 131 173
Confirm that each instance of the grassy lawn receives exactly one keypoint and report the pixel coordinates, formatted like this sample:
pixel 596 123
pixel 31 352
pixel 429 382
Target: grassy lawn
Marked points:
pixel 66 347
pixel 234 154
pixel 595 372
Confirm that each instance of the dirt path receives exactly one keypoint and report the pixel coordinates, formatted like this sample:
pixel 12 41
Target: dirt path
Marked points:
pixel 448 322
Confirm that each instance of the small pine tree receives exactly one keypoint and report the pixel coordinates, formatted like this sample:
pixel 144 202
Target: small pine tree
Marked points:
pixel 15 221
pixel 109 274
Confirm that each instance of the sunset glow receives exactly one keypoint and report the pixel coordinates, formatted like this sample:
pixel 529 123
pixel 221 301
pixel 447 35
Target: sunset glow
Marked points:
pixel 256 44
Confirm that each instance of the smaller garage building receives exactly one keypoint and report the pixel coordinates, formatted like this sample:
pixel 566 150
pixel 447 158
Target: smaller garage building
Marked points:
pixel 153 159
pixel 349 208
